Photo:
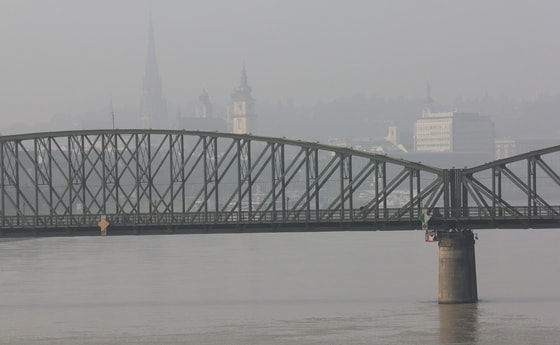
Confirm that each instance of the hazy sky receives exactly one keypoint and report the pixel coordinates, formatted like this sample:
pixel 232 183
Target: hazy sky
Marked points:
pixel 68 56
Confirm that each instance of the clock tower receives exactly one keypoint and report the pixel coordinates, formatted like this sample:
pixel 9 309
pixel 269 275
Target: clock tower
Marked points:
pixel 242 107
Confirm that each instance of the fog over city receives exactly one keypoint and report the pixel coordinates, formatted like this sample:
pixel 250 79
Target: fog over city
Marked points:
pixel 316 68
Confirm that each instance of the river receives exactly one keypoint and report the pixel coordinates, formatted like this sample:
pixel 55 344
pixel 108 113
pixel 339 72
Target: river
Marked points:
pixel 275 288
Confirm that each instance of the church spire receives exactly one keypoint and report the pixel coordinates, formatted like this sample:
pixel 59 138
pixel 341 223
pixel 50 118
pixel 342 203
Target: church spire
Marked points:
pixel 243 90
pixel 241 112
pixel 153 111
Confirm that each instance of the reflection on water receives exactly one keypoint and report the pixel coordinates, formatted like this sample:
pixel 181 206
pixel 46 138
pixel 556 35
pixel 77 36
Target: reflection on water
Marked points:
pixel 458 323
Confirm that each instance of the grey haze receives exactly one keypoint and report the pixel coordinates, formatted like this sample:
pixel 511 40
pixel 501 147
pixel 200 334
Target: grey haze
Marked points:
pixel 65 59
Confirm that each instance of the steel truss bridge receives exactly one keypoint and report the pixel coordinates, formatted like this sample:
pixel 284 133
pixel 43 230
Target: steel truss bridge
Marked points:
pixel 165 181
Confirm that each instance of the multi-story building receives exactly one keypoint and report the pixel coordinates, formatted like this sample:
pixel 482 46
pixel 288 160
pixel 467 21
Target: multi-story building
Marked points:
pixel 454 132
pixel 507 147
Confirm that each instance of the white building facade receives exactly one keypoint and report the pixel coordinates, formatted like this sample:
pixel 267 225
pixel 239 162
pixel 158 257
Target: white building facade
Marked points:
pixel 454 132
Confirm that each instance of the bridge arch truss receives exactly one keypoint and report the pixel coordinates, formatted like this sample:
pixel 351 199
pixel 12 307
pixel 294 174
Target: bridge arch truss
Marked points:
pixel 189 178
pixel 523 189
pixel 210 181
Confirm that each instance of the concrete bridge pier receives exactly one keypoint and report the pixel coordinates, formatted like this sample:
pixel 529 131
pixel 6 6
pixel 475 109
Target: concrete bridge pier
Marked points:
pixel 457 269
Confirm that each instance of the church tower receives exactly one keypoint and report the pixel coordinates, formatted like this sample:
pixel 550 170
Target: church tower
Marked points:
pixel 204 106
pixel 153 110
pixel 242 107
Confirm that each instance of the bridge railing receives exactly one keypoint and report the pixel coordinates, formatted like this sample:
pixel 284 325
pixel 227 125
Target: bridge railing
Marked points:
pixel 355 216
pixel 511 212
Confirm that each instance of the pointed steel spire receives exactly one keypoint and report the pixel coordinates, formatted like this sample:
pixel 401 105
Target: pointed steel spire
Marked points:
pixel 153 110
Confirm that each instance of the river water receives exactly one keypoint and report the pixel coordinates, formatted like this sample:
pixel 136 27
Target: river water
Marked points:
pixel 281 288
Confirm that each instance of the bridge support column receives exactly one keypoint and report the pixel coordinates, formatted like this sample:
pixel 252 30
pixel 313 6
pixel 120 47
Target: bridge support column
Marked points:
pixel 457 269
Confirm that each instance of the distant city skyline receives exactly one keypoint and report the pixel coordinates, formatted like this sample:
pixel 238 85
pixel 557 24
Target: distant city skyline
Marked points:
pixel 68 57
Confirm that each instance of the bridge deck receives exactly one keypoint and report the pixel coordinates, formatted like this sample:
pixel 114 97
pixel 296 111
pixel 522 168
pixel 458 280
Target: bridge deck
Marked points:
pixel 325 220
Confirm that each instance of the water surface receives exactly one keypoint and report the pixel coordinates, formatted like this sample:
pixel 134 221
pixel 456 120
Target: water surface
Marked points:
pixel 284 288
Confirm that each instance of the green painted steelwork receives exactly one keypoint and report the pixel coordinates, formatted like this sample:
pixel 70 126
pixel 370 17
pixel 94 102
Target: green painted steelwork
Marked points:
pixel 189 179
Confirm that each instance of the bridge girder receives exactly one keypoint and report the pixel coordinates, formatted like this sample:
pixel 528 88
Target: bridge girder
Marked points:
pixel 192 178
pixel 74 177
pixel 523 185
